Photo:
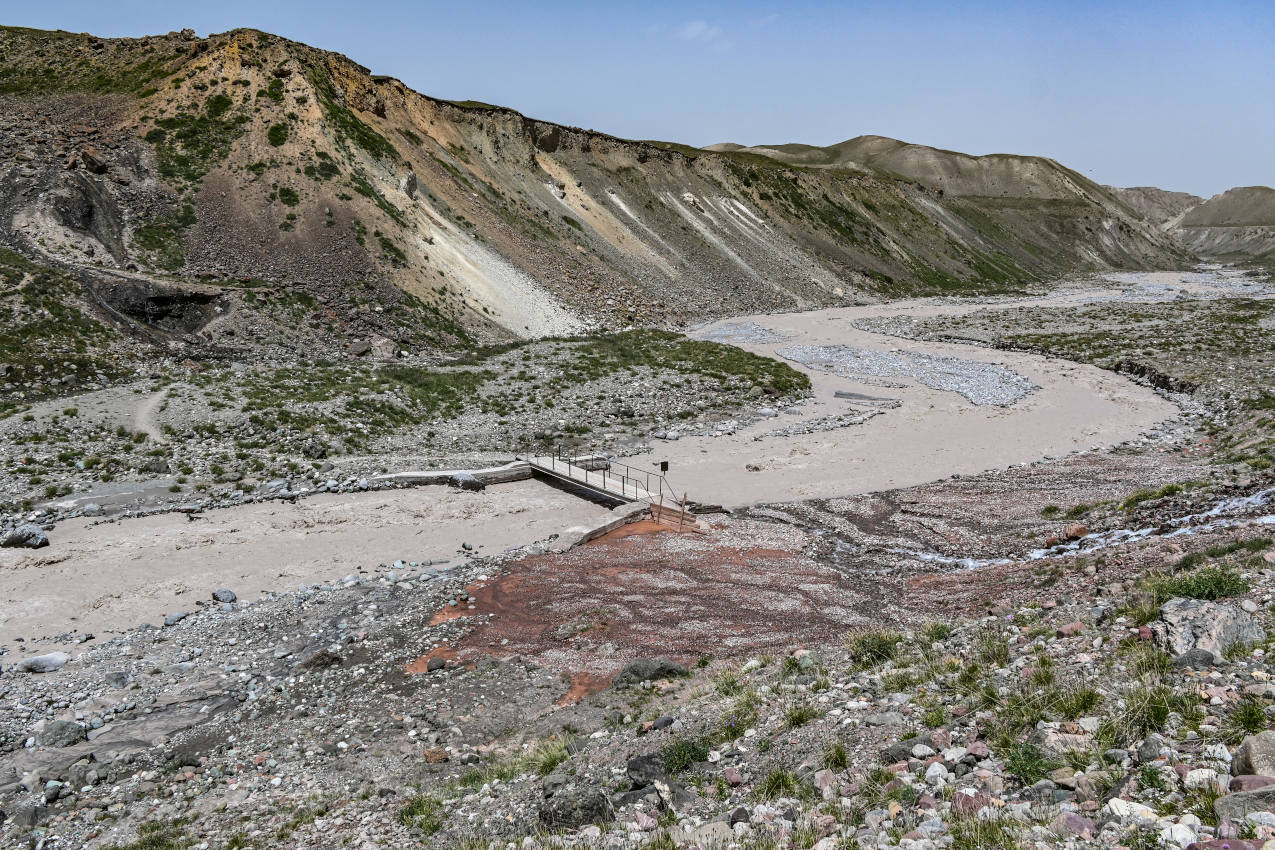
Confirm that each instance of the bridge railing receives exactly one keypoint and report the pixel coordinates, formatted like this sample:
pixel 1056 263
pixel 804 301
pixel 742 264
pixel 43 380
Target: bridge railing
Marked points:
pixel 614 476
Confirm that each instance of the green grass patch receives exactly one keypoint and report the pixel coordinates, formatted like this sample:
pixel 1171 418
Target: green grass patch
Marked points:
pixel 1208 583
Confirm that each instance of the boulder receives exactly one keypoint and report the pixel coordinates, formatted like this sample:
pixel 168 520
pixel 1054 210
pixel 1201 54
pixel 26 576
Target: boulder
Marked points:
pixel 1235 807
pixel 648 669
pixel 574 806
pixel 118 678
pixel 224 595
pixel 1187 624
pixel 1256 755
pixel 25 536
pixel 465 481
pixel 1248 782
pixel 643 770
pixel 385 349
pixel 61 733
pixel 47 663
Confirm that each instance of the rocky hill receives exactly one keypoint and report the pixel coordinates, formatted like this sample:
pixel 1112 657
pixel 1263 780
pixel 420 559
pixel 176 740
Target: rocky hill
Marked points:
pixel 1238 224
pixel 207 192
pixel 1158 206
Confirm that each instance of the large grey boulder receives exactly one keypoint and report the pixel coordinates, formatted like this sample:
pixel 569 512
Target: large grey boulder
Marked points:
pixel 648 669
pixel 574 806
pixel 1187 624
pixel 1256 755
pixel 61 733
pixel 1236 807
pixel 47 663
pixel 25 536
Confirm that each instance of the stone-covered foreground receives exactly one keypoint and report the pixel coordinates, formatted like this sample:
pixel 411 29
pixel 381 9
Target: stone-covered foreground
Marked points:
pixel 1137 718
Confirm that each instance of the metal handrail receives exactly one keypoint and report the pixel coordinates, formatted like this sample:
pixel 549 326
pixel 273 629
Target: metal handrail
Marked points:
pixel 629 476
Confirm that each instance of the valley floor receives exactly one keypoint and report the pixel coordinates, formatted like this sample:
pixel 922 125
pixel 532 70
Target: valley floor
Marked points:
pixel 952 673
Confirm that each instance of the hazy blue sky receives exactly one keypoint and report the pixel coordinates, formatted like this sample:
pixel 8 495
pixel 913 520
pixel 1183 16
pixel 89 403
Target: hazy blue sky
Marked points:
pixel 1174 94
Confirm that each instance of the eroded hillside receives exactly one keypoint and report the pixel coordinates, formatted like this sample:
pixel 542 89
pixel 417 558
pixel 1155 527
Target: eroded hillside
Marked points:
pixel 277 174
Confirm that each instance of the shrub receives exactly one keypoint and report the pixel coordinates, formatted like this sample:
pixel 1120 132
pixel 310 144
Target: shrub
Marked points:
pixel 801 714
pixel 1208 583
pixel 779 783
pixel 1028 762
pixel 423 812
pixel 218 105
pixel 681 754
pixel 873 645
pixel 277 134
pixel 835 757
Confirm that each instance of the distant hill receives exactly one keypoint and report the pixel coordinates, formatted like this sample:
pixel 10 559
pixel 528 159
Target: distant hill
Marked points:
pixel 1158 206
pixel 1237 225
pixel 987 176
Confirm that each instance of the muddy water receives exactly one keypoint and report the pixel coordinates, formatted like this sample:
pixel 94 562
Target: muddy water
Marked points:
pixel 105 578
pixel 934 432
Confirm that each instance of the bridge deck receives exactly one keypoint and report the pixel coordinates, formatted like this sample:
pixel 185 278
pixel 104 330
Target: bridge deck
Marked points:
pixel 605 481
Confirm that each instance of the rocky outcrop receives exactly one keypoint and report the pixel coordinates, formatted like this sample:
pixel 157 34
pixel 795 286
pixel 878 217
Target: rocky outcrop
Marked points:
pixel 1195 624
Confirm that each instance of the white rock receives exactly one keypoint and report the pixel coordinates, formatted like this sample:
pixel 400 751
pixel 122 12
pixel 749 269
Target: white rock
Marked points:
pixel 1201 777
pixel 1131 811
pixel 936 774
pixel 1177 835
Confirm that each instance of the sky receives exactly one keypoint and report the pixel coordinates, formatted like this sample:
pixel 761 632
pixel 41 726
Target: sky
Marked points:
pixel 1179 95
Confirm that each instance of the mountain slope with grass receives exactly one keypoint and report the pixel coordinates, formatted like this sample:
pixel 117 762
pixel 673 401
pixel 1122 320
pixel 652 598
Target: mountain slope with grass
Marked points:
pixel 245 171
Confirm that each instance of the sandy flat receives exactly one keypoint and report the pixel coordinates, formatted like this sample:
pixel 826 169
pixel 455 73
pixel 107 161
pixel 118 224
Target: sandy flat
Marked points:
pixel 113 576
pixel 932 435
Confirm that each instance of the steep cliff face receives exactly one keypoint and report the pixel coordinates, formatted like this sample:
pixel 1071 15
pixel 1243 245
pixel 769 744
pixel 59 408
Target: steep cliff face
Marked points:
pixel 246 160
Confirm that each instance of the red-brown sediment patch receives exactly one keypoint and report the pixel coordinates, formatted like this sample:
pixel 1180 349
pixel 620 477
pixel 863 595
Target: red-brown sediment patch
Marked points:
pixel 583 685
pixel 653 592
pixel 421 665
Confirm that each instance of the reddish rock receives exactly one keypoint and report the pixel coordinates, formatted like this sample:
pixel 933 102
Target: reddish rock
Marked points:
pixel 1251 782
pixel 733 777
pixel 1070 630
pixel 1225 844
pixel 1051 541
pixel 1144 633
pixel 941 739
pixel 93 159
pixel 969 804
pixel 978 749
pixel 1075 531
pixel 435 755
pixel 1070 823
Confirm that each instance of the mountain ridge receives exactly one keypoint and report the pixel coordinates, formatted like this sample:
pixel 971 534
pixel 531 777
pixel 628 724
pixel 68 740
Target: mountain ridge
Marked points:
pixel 247 156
